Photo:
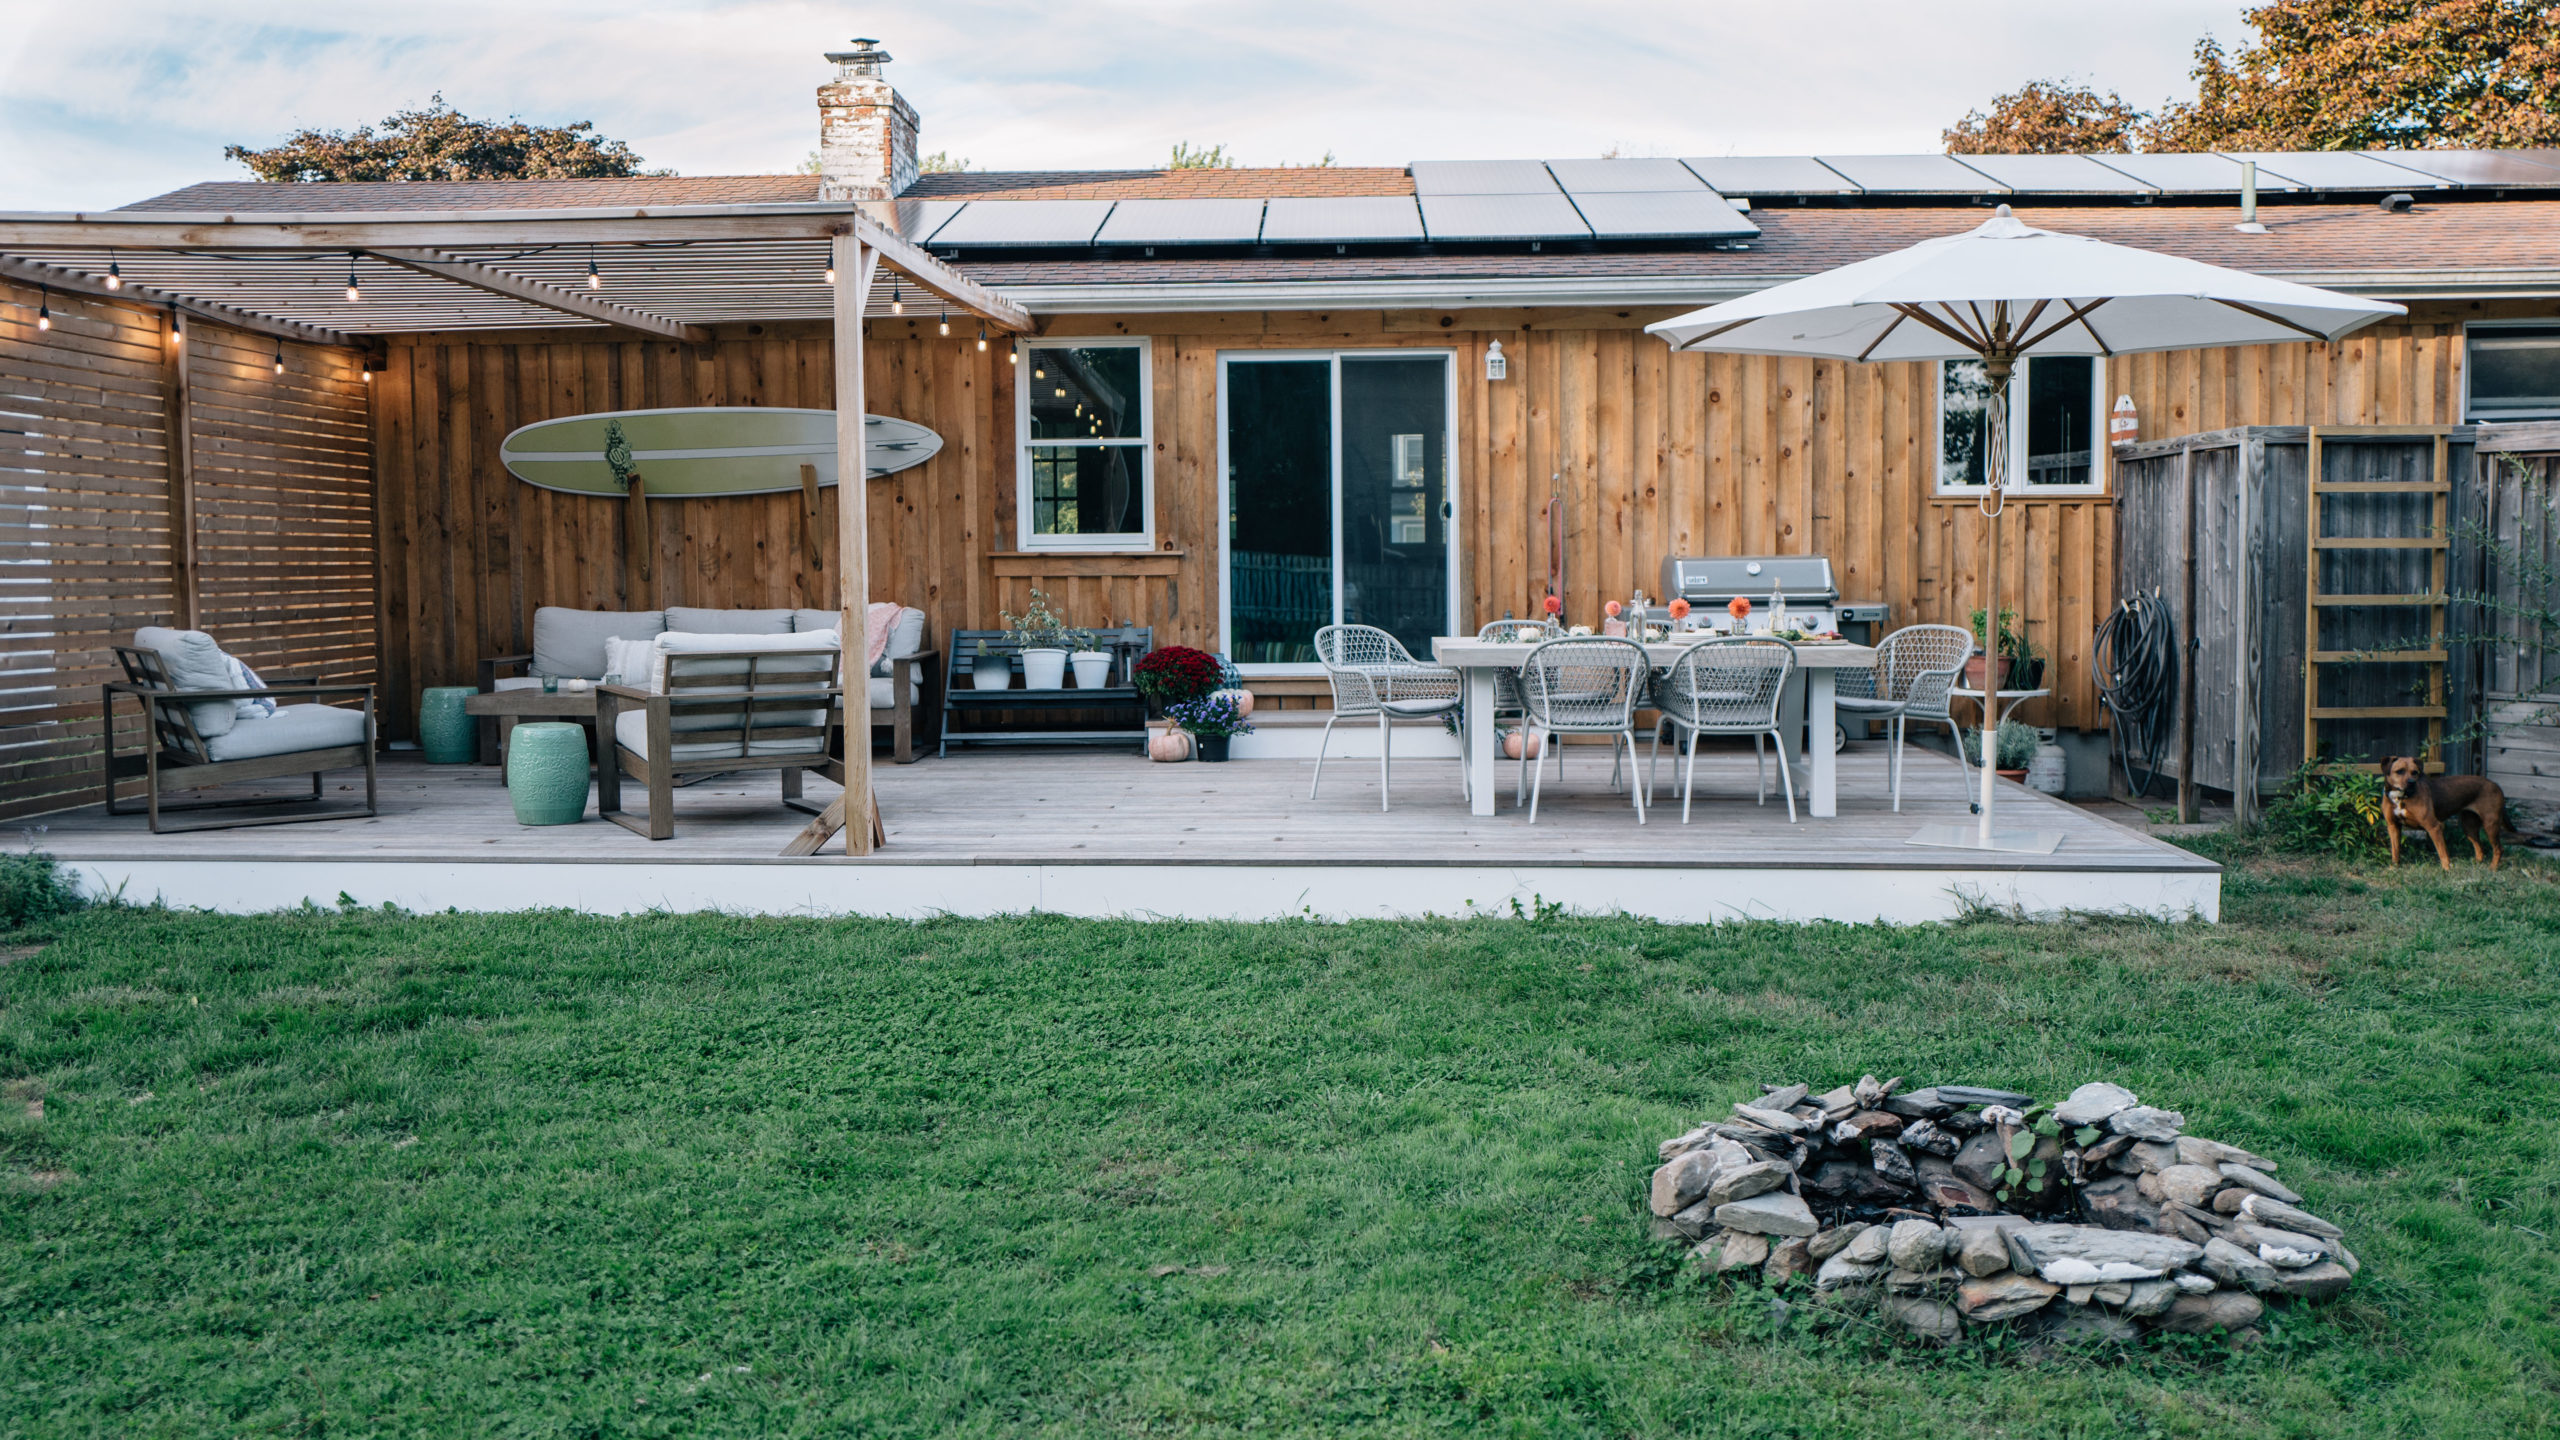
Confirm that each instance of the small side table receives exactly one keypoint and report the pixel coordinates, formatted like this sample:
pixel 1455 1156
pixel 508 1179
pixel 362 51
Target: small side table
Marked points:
pixel 444 727
pixel 547 773
pixel 2008 699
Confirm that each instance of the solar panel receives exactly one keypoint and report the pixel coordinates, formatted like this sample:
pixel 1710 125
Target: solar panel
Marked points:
pixel 2191 174
pixel 1630 215
pixel 1912 174
pixel 1502 217
pixel 1770 175
pixel 2338 170
pixel 1182 222
pixel 1609 177
pixel 1341 218
pixel 2486 168
pixel 918 219
pixel 1024 222
pixel 1481 177
pixel 2055 175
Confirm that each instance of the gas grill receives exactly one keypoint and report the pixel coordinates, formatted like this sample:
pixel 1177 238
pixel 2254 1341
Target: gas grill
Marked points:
pixel 1711 582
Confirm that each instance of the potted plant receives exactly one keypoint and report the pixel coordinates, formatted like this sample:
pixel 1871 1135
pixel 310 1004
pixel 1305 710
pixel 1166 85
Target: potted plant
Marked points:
pixel 1211 721
pixel 2015 748
pixel 1042 635
pixel 1092 665
pixel 1171 675
pixel 990 672
pixel 2024 667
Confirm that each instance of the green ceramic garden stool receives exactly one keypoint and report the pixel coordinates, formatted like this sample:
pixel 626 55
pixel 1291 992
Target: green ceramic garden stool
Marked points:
pixel 547 774
pixel 444 732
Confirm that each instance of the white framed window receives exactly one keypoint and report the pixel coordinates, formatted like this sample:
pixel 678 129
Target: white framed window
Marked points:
pixel 1084 466
pixel 2057 426
pixel 2513 372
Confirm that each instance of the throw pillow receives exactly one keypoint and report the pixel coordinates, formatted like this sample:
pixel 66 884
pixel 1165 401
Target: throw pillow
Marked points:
pixel 244 678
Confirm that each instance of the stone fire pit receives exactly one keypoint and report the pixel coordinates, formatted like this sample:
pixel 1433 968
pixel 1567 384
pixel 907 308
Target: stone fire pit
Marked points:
pixel 1957 1206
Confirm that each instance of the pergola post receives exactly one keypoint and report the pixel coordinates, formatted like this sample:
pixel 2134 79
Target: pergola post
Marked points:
pixel 853 262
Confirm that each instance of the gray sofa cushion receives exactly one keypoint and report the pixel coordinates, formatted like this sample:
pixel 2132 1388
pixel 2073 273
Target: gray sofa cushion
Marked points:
pixel 905 638
pixel 291 729
pixel 195 663
pixel 570 643
pixel 687 620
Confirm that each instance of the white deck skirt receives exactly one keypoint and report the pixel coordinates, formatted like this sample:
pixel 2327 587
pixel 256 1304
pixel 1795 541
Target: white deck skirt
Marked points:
pixel 1156 892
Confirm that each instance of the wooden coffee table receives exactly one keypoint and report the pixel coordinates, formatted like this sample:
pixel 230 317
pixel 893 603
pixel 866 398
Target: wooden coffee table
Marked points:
pixel 510 707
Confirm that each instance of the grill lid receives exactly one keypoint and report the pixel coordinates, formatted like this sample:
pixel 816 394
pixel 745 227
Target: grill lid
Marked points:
pixel 1718 578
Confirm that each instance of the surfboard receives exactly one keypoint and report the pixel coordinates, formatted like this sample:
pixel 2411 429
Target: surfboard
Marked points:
pixel 714 450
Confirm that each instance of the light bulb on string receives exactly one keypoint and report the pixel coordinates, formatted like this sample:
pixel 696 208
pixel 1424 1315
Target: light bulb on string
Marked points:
pixel 115 272
pixel 44 307
pixel 946 322
pixel 897 299
pixel 177 326
pixel 831 274
pixel 1038 373
pixel 355 292
pixel 279 357
pixel 1013 357
pixel 982 335
pixel 594 280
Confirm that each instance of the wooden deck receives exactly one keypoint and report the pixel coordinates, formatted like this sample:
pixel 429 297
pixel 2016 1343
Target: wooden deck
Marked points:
pixel 1102 832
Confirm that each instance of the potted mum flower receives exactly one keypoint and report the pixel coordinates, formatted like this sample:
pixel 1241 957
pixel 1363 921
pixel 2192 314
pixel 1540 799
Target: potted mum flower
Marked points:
pixel 1171 675
pixel 1211 721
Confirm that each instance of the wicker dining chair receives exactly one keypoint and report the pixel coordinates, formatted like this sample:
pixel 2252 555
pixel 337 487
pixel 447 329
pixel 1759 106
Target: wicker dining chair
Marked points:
pixel 1916 668
pixel 1584 686
pixel 1375 677
pixel 1725 687
pixel 1506 690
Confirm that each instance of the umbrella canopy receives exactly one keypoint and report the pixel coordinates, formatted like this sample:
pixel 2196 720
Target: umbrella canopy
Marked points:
pixel 2007 285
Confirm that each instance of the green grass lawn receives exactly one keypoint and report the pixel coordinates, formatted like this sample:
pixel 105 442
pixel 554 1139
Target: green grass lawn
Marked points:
pixel 348 1174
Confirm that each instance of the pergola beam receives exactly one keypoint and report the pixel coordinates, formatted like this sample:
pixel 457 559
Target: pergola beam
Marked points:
pixel 931 274
pixel 72 282
pixel 535 292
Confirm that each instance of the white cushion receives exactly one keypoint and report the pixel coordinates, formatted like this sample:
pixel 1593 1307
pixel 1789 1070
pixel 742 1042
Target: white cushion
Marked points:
pixel 293 728
pixel 636 661
pixel 687 619
pixel 518 682
pixel 569 643
pixel 631 732
pixel 195 662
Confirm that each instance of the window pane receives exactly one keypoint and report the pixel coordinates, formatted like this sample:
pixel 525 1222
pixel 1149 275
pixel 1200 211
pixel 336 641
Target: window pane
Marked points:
pixel 2061 405
pixel 2515 374
pixel 1085 392
pixel 1087 490
pixel 1964 418
pixel 1280 516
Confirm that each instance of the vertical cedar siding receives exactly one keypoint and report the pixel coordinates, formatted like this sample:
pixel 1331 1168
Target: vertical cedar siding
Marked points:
pixel 1661 453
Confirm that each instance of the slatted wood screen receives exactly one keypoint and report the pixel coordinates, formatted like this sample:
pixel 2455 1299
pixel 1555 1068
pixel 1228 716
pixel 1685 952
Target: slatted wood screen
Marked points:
pixel 282 569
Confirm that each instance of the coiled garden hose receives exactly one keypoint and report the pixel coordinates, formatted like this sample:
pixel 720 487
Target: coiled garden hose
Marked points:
pixel 2135 657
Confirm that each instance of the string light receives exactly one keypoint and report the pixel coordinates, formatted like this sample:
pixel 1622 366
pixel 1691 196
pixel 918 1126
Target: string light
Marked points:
pixel 355 292
pixel 1037 373
pixel 831 272
pixel 946 322
pixel 897 299
pixel 594 280
pixel 177 327
pixel 279 357
pixel 982 335
pixel 44 307
pixel 115 272
pixel 1013 357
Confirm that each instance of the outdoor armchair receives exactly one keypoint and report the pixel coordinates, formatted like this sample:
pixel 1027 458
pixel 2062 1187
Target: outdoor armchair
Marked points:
pixel 1915 669
pixel 195 736
pixel 719 703
pixel 1375 677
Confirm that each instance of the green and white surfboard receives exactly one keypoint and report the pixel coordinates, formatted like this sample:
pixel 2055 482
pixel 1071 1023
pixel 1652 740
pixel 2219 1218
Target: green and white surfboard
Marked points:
pixel 716 450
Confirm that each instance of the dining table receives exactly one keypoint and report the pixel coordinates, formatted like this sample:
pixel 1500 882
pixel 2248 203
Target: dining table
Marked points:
pixel 1808 711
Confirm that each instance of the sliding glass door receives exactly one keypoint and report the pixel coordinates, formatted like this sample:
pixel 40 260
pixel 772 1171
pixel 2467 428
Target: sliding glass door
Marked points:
pixel 1336 492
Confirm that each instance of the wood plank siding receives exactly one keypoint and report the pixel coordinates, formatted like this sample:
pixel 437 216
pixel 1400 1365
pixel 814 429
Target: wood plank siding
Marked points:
pixel 1659 454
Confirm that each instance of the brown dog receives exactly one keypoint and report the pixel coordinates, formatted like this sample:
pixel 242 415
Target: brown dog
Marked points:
pixel 2411 796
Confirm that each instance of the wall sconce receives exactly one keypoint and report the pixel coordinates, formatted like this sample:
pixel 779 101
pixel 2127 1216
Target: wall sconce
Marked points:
pixel 1496 366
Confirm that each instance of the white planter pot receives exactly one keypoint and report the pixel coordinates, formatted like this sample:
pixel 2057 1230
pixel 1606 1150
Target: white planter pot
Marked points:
pixel 992 672
pixel 1093 668
pixel 1044 669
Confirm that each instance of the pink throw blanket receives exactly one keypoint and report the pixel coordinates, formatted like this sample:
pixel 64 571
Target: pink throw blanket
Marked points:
pixel 877 622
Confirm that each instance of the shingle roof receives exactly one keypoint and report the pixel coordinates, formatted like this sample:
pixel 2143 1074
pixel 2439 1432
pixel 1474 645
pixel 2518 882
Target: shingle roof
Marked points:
pixel 229 196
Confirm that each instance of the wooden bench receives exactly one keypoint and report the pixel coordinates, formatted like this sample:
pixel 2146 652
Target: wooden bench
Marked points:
pixel 1114 714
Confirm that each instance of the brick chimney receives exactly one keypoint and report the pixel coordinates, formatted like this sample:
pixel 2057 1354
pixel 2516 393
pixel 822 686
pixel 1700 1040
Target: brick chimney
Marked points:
pixel 866 130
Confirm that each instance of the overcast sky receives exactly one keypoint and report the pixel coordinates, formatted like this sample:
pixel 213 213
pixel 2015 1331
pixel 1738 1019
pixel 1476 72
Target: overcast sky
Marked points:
pixel 105 101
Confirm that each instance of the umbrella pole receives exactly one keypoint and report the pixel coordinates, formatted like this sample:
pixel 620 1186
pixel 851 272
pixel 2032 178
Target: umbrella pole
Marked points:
pixel 1995 468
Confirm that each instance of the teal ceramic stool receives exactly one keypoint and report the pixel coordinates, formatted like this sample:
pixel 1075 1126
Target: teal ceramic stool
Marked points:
pixel 547 774
pixel 444 732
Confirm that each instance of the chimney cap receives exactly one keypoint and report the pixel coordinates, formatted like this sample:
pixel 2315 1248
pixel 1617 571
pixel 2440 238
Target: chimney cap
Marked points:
pixel 865 58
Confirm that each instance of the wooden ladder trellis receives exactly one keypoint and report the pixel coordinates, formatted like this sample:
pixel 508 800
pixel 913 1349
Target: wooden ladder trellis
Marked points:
pixel 2433 601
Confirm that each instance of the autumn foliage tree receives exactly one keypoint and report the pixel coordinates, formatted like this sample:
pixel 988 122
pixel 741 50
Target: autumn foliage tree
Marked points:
pixel 2322 75
pixel 441 143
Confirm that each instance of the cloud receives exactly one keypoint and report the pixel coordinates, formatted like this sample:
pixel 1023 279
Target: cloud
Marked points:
pixel 105 101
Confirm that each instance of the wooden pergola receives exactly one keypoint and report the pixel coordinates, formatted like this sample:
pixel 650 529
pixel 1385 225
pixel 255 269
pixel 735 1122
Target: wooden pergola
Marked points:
pixel 347 278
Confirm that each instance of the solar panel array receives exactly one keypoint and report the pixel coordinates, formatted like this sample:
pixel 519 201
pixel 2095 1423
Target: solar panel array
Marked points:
pixel 1497 201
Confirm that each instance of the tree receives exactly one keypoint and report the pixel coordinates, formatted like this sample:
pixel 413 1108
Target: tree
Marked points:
pixel 1187 156
pixel 2046 117
pixel 2377 75
pixel 441 143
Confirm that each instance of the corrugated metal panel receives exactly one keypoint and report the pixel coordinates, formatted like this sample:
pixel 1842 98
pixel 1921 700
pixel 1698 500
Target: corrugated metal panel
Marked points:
pixel 1025 222
pixel 1502 217
pixel 1345 218
pixel 1912 174
pixel 2191 174
pixel 2337 170
pixel 1182 222
pixel 1481 177
pixel 1770 175
pixel 1699 212
pixel 2056 175
pixel 1603 177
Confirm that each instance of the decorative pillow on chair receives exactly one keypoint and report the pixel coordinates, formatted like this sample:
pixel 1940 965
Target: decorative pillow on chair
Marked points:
pixel 636 661
pixel 195 662
pixel 244 678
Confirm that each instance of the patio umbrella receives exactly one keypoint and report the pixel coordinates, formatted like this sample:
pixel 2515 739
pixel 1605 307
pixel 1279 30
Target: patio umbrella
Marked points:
pixel 1999 293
